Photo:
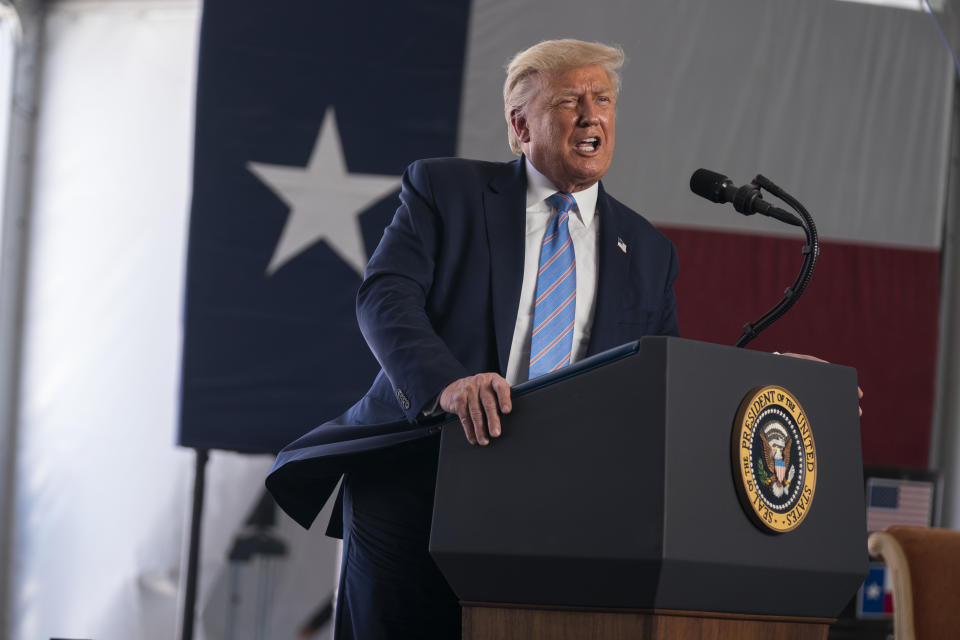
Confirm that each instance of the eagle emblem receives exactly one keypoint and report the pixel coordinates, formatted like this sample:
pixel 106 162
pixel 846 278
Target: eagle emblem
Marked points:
pixel 776 456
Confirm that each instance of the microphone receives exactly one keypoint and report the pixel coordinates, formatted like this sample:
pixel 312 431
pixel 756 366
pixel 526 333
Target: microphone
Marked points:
pixel 747 199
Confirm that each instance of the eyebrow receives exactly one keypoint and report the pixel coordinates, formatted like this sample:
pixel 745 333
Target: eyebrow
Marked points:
pixel 570 91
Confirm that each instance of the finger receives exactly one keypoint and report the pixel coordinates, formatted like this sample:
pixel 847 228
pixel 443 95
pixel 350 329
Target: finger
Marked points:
pixel 489 402
pixel 859 393
pixel 502 387
pixel 468 427
pixel 803 356
pixel 476 414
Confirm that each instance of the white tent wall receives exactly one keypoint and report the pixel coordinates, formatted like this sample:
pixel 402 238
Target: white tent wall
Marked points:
pixel 102 495
pixel 100 341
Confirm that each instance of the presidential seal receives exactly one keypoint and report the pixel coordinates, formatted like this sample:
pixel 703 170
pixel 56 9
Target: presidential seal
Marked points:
pixel 774 459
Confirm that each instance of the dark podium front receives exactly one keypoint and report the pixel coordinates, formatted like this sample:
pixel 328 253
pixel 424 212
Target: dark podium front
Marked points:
pixel 609 502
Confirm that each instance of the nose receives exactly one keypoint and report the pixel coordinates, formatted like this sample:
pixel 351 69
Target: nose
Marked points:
pixel 588 113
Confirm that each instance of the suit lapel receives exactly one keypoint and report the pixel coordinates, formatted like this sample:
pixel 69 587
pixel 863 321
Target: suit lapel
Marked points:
pixel 504 205
pixel 613 266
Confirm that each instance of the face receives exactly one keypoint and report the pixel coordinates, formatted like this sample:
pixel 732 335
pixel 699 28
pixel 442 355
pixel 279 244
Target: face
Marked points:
pixel 567 130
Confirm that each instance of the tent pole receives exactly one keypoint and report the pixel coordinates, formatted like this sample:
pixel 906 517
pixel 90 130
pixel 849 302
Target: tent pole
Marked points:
pixel 14 234
pixel 188 590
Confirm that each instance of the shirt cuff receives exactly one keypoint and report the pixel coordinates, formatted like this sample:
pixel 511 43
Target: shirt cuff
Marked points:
pixel 432 408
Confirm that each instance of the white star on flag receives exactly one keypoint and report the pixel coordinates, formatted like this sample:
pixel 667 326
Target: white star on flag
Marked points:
pixel 324 200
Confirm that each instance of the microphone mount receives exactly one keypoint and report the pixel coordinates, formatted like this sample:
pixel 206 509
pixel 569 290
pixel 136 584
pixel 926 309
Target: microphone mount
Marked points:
pixel 810 251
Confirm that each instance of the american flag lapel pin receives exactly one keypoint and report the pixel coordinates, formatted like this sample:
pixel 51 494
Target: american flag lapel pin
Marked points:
pixel 621 244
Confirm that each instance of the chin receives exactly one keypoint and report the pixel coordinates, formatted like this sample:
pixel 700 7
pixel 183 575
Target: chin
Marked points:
pixel 590 175
pixel 592 169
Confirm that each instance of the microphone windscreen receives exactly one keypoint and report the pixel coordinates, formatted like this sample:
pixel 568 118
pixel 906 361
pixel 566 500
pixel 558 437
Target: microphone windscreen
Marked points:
pixel 708 184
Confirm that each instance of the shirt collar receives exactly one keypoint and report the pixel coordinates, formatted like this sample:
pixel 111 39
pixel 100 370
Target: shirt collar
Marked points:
pixel 539 188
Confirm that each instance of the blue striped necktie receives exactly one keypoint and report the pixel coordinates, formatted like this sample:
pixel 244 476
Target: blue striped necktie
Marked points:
pixel 551 342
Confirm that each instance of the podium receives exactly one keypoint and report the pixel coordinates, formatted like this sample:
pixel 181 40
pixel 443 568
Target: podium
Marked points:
pixel 609 507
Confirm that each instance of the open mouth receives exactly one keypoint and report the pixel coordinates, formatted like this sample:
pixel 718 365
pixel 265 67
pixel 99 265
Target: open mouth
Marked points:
pixel 589 145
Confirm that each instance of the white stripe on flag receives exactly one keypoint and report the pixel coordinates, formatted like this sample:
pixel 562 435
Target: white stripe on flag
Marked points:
pixel 913 505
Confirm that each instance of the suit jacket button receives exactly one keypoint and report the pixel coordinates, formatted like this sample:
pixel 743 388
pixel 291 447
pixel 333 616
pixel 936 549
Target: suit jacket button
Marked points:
pixel 402 398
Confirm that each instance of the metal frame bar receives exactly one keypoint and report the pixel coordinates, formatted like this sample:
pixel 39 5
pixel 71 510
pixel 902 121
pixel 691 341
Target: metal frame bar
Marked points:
pixel 17 206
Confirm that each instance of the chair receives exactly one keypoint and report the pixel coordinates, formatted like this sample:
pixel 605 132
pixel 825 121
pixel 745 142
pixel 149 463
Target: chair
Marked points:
pixel 924 566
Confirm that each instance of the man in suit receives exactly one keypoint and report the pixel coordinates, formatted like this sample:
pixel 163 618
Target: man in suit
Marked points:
pixel 489 273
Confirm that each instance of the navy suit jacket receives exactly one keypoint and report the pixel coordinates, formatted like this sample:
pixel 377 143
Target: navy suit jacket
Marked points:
pixel 439 302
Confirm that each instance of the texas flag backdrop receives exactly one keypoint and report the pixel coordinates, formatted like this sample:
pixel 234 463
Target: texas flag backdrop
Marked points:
pixel 307 116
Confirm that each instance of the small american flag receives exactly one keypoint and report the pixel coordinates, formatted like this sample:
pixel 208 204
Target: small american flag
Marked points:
pixel 891 502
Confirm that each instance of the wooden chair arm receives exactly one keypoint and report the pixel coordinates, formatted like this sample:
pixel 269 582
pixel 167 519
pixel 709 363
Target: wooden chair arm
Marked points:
pixel 884 546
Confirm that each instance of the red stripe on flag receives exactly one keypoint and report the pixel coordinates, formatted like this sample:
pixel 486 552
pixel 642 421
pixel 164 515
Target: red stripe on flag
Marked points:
pixel 873 308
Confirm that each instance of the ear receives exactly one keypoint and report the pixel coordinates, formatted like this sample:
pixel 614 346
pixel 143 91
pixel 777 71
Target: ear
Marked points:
pixel 520 126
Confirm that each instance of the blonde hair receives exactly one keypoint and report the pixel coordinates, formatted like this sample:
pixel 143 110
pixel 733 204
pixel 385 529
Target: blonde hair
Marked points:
pixel 552 57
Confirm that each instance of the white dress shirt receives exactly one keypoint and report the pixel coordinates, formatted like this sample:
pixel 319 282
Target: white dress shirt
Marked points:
pixel 585 233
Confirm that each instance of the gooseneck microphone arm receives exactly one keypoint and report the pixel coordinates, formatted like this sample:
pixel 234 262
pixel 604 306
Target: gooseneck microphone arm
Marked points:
pixel 747 200
pixel 811 251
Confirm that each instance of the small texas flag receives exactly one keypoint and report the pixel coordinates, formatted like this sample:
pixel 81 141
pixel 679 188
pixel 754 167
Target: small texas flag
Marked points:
pixel 875 599
pixel 621 244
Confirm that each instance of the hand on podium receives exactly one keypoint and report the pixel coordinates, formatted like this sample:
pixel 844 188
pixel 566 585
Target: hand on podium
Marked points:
pixel 478 401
